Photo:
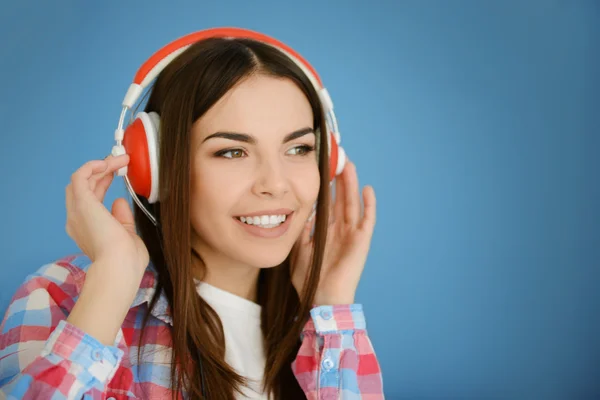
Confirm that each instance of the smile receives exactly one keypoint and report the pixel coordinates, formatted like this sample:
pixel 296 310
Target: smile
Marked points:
pixel 266 226
pixel 264 221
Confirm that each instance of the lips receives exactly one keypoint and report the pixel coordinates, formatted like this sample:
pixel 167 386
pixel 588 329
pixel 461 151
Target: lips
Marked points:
pixel 278 211
pixel 269 231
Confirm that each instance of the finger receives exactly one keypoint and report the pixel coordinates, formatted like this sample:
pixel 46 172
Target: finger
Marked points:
pixel 69 196
pixel 338 203
pixel 331 211
pixel 122 213
pixel 80 178
pixel 97 177
pixel 368 222
pixel 114 163
pixel 351 196
pixel 102 186
pixel 69 207
pixel 305 237
pixel 302 246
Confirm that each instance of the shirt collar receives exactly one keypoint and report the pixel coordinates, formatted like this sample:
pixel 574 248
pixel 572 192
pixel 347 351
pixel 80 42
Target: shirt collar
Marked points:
pixel 161 309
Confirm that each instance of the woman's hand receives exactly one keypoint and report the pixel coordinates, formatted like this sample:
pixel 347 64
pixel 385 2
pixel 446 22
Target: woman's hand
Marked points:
pixel 101 234
pixel 348 241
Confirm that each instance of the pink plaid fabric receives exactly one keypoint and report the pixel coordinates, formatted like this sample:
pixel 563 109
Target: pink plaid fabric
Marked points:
pixel 44 357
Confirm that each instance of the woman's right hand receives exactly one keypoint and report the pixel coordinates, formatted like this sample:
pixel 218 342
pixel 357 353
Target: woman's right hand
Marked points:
pixel 119 256
pixel 100 234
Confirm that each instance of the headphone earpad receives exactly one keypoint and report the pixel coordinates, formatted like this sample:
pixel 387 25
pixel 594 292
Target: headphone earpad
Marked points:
pixel 141 143
pixel 337 157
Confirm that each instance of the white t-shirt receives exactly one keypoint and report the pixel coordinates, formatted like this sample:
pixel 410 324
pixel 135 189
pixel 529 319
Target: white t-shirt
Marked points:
pixel 244 349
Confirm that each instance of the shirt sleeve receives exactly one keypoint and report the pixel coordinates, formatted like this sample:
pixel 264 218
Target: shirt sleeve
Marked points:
pixel 42 356
pixel 336 359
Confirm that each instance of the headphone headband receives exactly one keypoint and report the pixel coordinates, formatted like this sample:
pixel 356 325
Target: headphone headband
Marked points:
pixel 154 65
pixel 160 59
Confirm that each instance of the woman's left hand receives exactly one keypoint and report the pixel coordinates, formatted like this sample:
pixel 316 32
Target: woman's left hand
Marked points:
pixel 348 241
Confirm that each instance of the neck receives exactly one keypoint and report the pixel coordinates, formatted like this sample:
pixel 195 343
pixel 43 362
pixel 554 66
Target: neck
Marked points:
pixel 240 280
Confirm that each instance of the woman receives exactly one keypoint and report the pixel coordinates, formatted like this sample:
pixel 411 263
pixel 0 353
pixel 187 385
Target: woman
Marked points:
pixel 220 284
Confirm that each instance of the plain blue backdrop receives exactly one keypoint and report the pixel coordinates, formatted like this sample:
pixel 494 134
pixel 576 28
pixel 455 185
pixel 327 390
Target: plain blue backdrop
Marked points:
pixel 477 123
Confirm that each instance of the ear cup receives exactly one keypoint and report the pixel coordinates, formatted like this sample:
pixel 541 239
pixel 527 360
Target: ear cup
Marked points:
pixel 341 161
pixel 141 143
pixel 337 157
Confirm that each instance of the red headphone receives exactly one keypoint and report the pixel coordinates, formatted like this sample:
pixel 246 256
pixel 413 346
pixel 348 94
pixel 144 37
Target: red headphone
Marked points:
pixel 140 138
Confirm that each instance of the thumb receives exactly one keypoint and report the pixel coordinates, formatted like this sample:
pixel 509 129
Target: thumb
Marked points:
pixel 122 213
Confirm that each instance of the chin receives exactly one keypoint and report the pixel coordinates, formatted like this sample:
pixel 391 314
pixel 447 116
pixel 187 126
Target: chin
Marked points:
pixel 263 252
pixel 271 260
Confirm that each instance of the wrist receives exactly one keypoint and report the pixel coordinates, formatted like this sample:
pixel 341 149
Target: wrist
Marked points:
pixel 114 276
pixel 104 301
pixel 333 301
pixel 98 315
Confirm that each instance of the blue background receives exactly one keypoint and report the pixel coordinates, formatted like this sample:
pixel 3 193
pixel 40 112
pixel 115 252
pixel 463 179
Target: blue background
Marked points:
pixel 476 122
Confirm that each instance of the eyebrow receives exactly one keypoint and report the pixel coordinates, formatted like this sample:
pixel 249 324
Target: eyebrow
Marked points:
pixel 246 138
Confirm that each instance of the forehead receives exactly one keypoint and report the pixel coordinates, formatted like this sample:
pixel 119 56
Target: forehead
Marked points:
pixel 259 105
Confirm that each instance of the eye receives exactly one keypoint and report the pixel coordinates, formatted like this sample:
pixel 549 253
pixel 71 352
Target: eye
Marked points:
pixel 301 150
pixel 232 153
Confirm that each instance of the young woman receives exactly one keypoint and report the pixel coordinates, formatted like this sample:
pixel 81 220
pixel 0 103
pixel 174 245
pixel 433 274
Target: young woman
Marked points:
pixel 234 276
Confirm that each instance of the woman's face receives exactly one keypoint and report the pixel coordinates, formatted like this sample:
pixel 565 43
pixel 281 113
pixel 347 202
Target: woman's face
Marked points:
pixel 255 173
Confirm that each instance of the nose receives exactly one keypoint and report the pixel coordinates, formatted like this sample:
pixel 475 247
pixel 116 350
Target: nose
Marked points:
pixel 271 180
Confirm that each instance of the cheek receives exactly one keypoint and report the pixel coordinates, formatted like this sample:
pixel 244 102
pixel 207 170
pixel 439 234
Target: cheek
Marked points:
pixel 307 185
pixel 210 192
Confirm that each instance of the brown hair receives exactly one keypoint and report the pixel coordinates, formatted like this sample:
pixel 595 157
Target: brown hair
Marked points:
pixel 186 89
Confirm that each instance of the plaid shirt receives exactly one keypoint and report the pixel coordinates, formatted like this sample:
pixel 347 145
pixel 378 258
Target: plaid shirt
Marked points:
pixel 44 357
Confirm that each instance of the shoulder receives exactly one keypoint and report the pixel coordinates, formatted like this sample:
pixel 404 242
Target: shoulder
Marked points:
pixel 62 278
pixel 70 269
pixel 45 296
pixel 50 293
pixel 72 266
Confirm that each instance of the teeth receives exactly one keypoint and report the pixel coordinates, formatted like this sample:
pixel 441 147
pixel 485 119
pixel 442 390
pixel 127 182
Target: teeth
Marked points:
pixel 264 221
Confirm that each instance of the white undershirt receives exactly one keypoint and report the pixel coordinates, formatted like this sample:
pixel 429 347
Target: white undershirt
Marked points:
pixel 244 350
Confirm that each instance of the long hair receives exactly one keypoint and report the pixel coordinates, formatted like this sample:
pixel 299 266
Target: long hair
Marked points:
pixel 186 89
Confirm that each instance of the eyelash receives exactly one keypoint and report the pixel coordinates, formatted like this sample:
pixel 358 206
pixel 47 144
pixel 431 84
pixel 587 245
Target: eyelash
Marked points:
pixel 306 148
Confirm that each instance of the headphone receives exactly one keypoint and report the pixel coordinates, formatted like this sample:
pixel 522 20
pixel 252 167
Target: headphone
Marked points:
pixel 140 138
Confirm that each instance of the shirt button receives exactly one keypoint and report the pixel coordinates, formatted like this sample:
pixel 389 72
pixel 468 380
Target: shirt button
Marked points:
pixel 96 355
pixel 327 364
pixel 326 314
